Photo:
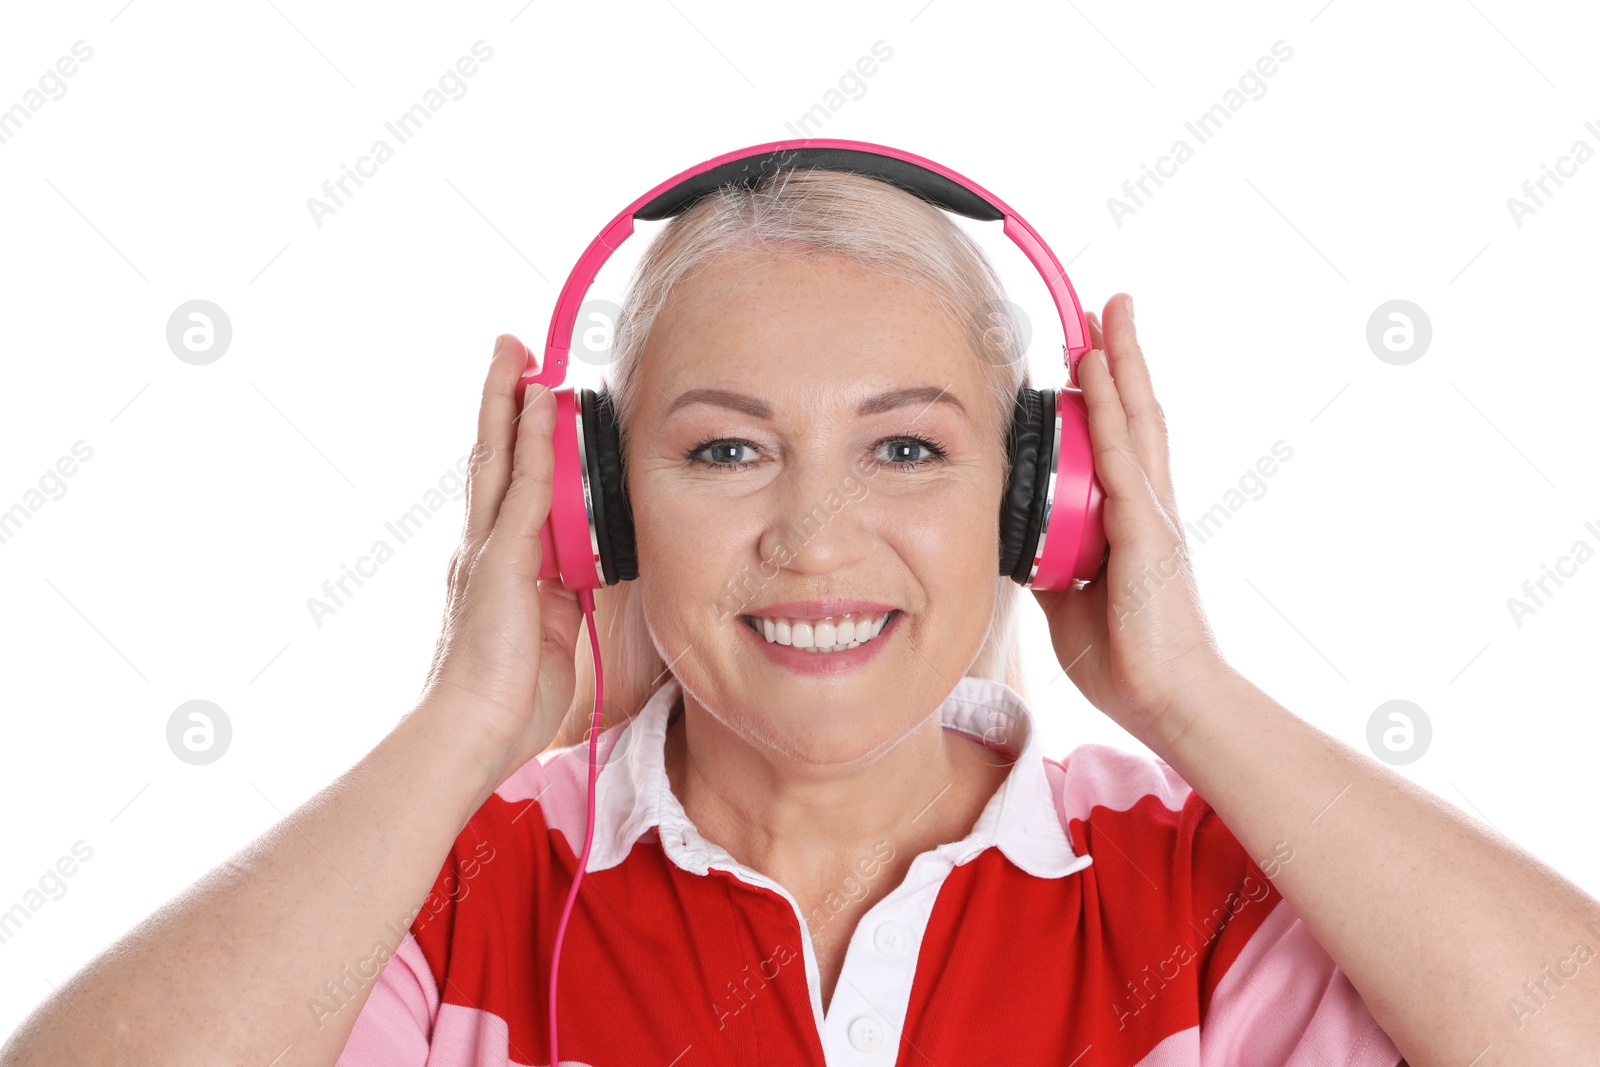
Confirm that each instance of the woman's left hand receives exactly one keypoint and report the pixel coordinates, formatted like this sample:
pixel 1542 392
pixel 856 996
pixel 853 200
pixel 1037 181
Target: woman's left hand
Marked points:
pixel 1133 640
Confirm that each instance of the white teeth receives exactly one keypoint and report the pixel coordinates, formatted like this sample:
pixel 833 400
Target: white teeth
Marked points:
pixel 834 634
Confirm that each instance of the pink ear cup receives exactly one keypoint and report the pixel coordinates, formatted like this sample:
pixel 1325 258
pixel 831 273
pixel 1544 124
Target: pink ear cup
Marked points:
pixel 1074 539
pixel 570 553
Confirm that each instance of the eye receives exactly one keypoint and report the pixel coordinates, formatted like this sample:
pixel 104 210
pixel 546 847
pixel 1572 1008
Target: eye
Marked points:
pixel 724 453
pixel 902 452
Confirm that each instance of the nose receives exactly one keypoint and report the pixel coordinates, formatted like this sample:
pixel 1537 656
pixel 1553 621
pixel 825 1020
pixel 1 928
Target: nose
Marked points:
pixel 820 522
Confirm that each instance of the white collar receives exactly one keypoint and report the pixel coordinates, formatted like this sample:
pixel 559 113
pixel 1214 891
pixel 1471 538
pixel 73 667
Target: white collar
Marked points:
pixel 1022 819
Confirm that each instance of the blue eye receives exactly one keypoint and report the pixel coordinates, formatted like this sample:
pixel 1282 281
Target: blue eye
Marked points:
pixel 900 445
pixel 724 452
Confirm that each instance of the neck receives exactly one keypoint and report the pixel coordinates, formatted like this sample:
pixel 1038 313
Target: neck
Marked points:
pixel 803 824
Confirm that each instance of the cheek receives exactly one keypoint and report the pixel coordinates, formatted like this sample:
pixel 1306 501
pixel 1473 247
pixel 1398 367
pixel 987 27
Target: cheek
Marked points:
pixel 688 548
pixel 959 527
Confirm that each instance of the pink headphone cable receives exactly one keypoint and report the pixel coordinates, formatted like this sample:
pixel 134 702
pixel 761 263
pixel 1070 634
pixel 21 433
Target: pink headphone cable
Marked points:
pixel 586 600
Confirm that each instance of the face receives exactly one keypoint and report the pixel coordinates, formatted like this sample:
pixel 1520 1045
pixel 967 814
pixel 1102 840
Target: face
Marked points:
pixel 809 431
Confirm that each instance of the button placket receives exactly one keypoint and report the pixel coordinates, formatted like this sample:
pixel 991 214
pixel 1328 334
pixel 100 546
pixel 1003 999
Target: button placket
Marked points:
pixel 867 1009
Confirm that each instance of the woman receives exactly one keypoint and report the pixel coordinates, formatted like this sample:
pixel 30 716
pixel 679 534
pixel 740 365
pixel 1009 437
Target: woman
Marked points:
pixel 852 856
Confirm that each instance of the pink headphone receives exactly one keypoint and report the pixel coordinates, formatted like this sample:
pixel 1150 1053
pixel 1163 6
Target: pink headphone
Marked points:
pixel 1051 532
pixel 1050 526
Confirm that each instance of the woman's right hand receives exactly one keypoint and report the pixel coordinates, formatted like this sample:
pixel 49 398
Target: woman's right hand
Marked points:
pixel 504 663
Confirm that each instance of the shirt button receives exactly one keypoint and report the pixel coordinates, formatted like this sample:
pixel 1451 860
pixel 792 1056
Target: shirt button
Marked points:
pixel 865 1033
pixel 890 938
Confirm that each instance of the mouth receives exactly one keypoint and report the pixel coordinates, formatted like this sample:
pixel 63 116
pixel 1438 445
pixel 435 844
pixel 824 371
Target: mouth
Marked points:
pixel 834 634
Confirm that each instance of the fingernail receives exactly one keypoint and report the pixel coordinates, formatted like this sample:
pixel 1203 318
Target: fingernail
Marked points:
pixel 1130 308
pixel 499 345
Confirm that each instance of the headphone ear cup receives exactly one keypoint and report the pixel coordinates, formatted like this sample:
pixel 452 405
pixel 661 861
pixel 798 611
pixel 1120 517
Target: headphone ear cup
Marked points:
pixel 613 516
pixel 1031 438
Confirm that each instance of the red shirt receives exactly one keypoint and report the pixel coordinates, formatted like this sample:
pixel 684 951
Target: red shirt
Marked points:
pixel 1099 914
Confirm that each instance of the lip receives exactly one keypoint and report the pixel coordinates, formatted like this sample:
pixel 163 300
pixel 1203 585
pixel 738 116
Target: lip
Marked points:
pixel 823 663
pixel 818 609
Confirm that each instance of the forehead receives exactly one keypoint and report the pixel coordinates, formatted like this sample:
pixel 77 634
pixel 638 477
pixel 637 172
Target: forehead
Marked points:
pixel 819 324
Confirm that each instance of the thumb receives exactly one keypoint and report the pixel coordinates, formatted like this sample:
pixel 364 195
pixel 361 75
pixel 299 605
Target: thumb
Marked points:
pixel 561 616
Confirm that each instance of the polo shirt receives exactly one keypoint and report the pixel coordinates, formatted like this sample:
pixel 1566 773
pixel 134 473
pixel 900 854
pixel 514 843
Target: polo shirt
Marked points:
pixel 1098 914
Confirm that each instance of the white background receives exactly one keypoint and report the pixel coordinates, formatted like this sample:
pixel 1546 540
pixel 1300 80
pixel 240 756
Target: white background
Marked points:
pixel 177 166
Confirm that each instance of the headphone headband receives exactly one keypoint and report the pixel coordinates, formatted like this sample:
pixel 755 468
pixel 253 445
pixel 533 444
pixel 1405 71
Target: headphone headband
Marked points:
pixel 938 189
pixel 924 178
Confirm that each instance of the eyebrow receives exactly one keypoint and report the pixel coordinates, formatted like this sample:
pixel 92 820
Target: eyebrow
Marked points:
pixel 878 403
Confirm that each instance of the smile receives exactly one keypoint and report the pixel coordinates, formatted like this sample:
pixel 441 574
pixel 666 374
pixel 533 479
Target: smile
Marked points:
pixel 836 633
pixel 827 646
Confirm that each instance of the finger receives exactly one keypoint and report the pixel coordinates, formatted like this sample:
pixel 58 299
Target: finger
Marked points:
pixel 1116 462
pixel 497 435
pixel 1096 340
pixel 527 499
pixel 1147 424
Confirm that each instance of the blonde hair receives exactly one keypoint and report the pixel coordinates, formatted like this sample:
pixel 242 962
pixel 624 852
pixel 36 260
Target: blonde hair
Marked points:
pixel 798 213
